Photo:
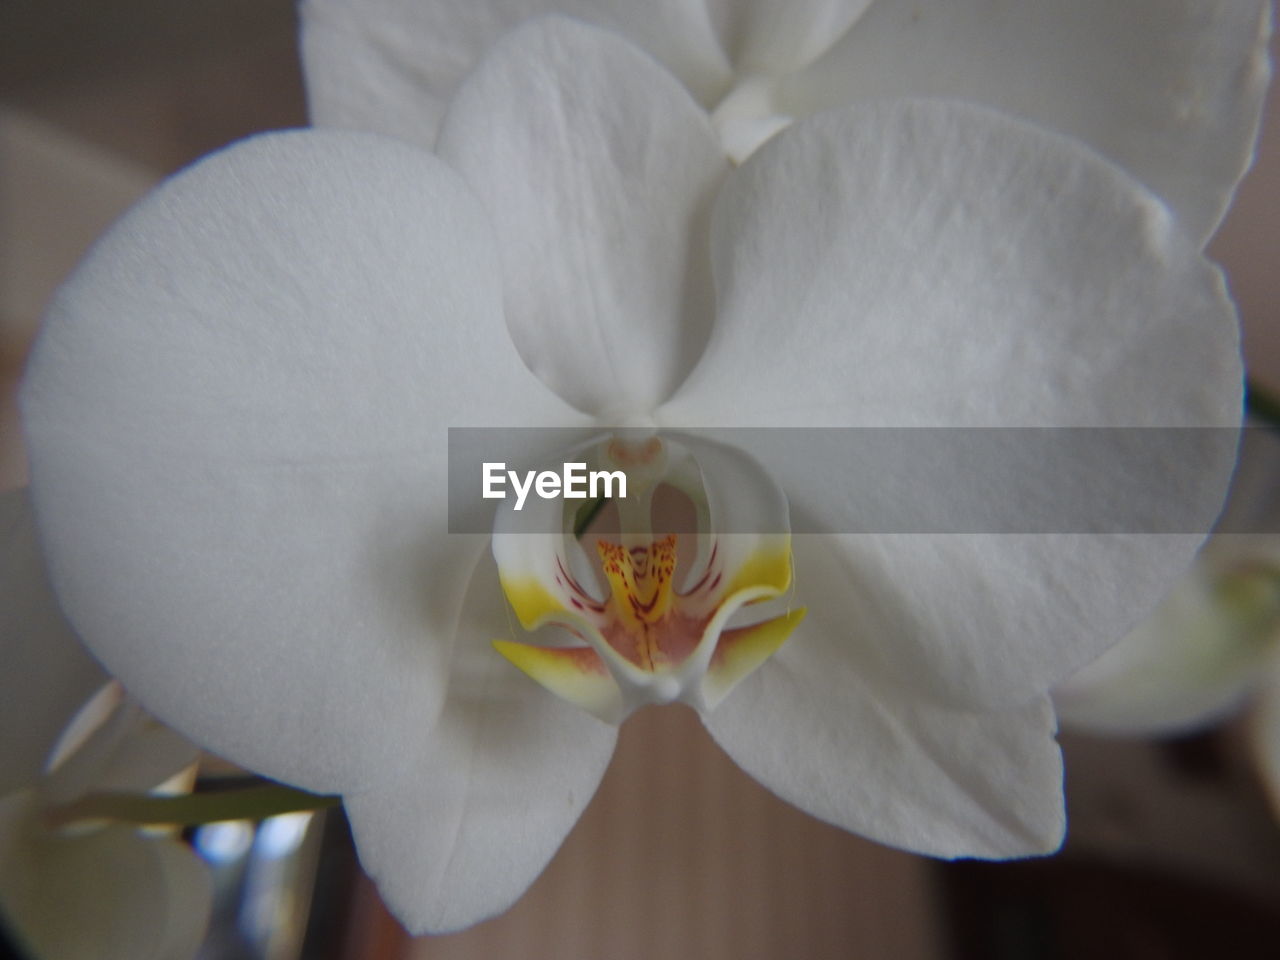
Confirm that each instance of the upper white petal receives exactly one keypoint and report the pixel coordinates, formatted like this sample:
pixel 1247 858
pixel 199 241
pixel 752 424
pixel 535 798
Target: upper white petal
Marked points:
pixel 391 66
pixel 1170 91
pixel 47 673
pixel 236 419
pixel 929 264
pixel 484 802
pixel 600 171
pixel 778 36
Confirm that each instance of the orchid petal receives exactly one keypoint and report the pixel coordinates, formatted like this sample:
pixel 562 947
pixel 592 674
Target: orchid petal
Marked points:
pixel 488 797
pixel 150 755
pixel 1196 658
pixel 113 745
pixel 1034 282
pixel 47 673
pixel 235 416
pixel 1171 92
pixel 577 675
pixel 779 36
pixel 1209 644
pixel 110 894
pixel 846 741
pixel 742 650
pixel 604 231
pixel 1037 286
pixel 391 66
pixel 187 899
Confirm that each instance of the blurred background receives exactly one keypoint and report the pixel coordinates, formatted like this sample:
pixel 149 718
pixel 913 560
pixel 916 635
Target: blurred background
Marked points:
pixel 1173 851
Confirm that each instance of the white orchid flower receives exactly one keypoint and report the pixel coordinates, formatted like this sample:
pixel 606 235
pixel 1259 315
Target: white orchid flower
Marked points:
pixel 236 419
pixel 1212 645
pixel 1170 92
pixel 80 891
pixel 1208 646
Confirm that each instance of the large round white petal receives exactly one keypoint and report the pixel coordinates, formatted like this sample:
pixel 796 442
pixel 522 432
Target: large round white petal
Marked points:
pixel 600 171
pixel 778 36
pixel 47 673
pixel 110 894
pixel 236 416
pixel 932 263
pixel 391 66
pixel 483 803
pixel 923 264
pixel 847 741
pixel 1171 91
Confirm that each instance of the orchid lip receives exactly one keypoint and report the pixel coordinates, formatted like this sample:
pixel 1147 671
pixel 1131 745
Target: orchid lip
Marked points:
pixel 646 620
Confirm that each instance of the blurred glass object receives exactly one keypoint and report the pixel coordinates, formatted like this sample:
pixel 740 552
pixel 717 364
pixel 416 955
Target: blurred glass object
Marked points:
pixel 224 842
pixel 264 878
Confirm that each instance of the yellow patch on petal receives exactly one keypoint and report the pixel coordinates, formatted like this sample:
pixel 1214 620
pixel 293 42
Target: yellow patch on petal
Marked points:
pixel 532 602
pixel 575 674
pixel 764 568
pixel 741 650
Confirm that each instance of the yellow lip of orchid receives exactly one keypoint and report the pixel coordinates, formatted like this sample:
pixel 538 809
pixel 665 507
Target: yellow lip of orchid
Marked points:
pixel 643 638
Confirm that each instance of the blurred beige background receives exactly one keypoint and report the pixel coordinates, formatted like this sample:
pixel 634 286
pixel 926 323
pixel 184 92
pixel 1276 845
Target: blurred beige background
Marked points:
pixel 680 855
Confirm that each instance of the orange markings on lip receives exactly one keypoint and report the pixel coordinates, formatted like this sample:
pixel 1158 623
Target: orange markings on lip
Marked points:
pixel 584 660
pixel 627 454
pixel 643 619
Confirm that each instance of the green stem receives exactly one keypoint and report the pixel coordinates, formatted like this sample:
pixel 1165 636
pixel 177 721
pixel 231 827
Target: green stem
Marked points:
pixel 191 809
pixel 1262 404
pixel 586 514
